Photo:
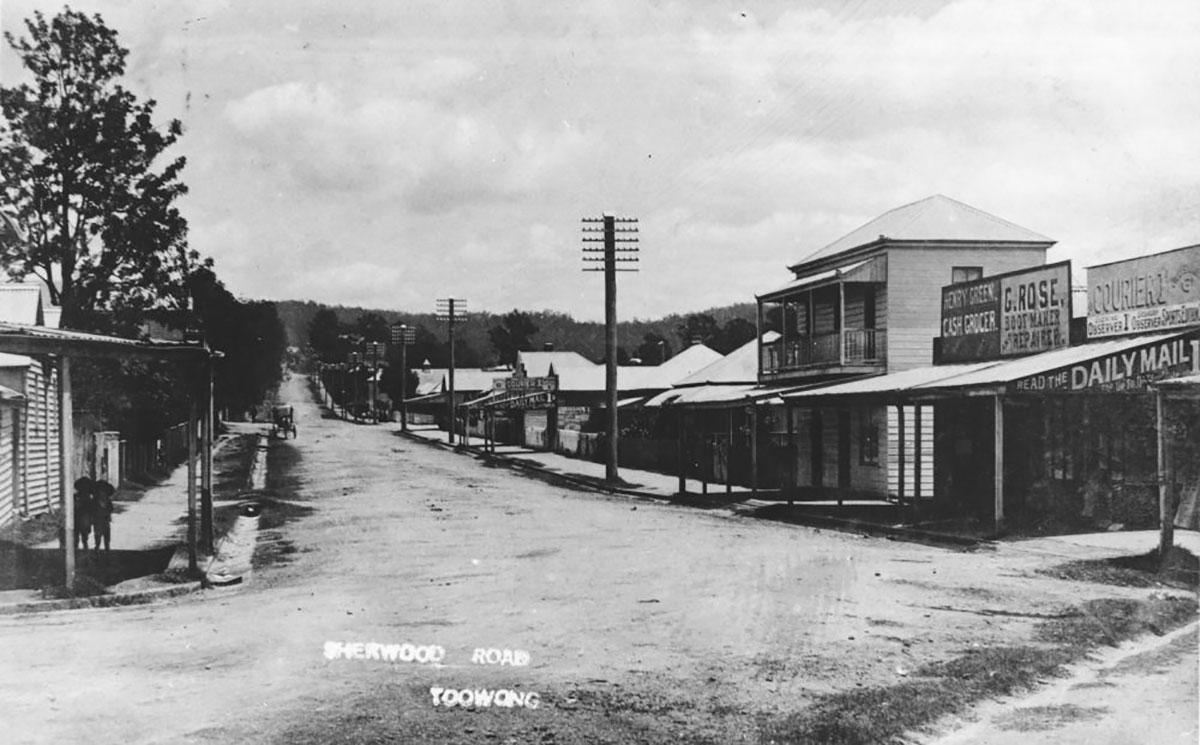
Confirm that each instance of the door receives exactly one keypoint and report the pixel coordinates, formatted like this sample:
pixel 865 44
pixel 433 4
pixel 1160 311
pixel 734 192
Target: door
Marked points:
pixel 817 448
pixel 843 449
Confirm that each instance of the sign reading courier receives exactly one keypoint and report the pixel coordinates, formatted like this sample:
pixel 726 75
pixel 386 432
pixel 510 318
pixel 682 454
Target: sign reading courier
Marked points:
pixel 1146 294
pixel 1007 315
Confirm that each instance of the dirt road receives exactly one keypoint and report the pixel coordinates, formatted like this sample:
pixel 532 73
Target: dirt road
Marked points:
pixel 641 622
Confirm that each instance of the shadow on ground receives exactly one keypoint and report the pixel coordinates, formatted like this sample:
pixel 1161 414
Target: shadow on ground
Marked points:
pixel 23 568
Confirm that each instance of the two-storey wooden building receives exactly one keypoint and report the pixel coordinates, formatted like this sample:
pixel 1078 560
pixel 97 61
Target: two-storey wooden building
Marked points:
pixel 868 304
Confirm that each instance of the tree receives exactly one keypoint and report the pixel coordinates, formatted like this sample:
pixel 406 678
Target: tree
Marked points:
pixel 323 333
pixel 515 334
pixel 698 327
pixel 654 349
pixel 86 173
pixel 735 333
pixel 372 327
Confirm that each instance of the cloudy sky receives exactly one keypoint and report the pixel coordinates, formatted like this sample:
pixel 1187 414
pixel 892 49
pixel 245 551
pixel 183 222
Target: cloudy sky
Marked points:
pixel 387 154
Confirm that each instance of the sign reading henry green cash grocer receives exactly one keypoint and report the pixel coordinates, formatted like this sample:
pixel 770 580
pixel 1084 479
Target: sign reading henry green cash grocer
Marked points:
pixel 1129 369
pixel 1008 315
pixel 1147 294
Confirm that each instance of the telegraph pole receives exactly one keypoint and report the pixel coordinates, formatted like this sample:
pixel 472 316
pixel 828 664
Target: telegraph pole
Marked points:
pixel 403 335
pixel 376 349
pixel 451 310
pixel 610 232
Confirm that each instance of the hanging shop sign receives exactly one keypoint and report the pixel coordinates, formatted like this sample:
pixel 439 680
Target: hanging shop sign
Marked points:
pixel 521 384
pixel 1144 295
pixel 524 401
pixel 520 392
pixel 1007 315
pixel 1130 369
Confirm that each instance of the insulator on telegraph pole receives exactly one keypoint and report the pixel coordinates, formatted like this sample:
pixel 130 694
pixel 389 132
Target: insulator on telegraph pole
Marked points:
pixel 610 241
pixel 452 311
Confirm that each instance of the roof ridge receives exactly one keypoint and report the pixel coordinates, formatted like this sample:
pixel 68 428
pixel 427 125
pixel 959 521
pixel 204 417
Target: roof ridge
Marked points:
pixel 990 216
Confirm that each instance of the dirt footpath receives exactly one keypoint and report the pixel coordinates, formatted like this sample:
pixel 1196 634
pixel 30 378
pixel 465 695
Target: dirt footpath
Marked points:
pixel 641 622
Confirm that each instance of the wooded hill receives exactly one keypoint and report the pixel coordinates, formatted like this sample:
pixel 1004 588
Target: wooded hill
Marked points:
pixel 473 346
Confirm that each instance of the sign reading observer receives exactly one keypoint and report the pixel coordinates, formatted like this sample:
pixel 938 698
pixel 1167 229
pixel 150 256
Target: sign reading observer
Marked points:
pixel 1151 293
pixel 1007 315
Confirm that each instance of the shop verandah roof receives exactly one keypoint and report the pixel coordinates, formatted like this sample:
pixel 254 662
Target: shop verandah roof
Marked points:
pixel 21 339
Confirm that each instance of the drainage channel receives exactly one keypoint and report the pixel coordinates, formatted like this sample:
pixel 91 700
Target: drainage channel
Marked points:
pixel 231 562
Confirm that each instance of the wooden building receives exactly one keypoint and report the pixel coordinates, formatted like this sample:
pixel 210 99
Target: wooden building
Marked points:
pixel 30 431
pixel 869 304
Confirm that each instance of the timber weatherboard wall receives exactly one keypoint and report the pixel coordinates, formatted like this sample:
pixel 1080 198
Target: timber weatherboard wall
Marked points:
pixel 36 433
pixel 915 278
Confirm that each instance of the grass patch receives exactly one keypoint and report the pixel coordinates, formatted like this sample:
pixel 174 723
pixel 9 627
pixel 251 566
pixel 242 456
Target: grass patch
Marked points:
pixel 884 714
pixel 1181 570
pixel 33 530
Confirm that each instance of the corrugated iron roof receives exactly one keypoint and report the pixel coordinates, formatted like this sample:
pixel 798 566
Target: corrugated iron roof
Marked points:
pixel 935 218
pixel 538 364
pixel 739 366
pixel 466 379
pixel 695 357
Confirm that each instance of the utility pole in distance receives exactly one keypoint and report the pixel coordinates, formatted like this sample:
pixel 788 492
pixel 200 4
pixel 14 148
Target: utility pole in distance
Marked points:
pixel 615 235
pixel 451 310
pixel 403 335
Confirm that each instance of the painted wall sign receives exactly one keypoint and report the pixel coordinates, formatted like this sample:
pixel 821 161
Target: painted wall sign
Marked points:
pixel 1146 294
pixel 1007 315
pixel 1128 370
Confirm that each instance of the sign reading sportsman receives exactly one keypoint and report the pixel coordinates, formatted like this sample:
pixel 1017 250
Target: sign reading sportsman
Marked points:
pixel 1007 315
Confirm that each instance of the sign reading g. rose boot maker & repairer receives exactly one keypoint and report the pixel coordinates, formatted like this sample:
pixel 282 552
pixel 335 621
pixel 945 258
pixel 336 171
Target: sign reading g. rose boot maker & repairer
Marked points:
pixel 1146 294
pixel 1007 315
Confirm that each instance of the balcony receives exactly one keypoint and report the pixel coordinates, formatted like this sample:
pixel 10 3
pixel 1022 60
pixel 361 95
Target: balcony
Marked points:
pixel 850 347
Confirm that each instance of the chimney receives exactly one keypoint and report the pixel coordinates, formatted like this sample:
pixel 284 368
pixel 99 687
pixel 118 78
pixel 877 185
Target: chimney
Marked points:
pixel 548 346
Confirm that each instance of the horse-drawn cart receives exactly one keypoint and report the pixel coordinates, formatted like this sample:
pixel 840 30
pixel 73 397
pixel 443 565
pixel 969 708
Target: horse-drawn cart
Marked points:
pixel 283 421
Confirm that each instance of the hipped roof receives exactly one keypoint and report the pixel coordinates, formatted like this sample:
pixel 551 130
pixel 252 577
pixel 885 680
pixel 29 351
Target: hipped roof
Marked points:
pixel 934 219
pixel 739 366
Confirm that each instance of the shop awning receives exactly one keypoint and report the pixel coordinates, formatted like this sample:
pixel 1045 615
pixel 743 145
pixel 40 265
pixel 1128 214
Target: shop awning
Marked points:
pixel 892 385
pixel 428 398
pixel 720 396
pixel 1116 365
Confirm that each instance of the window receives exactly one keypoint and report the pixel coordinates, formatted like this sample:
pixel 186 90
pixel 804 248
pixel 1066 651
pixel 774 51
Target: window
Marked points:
pixel 965 274
pixel 868 438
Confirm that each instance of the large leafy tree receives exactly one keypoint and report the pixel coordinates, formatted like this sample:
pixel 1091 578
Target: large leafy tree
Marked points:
pixel 514 334
pixel 86 174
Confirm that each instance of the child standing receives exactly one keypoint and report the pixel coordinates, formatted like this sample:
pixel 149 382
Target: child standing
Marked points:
pixel 83 505
pixel 102 509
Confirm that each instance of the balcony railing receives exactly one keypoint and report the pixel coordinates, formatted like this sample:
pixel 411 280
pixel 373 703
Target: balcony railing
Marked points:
pixel 848 347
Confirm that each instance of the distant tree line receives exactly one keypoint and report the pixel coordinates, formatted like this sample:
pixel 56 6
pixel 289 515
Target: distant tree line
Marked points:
pixel 487 339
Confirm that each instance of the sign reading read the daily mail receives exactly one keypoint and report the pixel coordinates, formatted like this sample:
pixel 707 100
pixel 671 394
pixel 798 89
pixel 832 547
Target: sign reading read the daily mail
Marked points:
pixel 521 392
pixel 1129 369
pixel 1147 294
pixel 1007 315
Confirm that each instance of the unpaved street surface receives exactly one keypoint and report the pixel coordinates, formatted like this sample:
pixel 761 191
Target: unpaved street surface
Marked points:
pixel 642 622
